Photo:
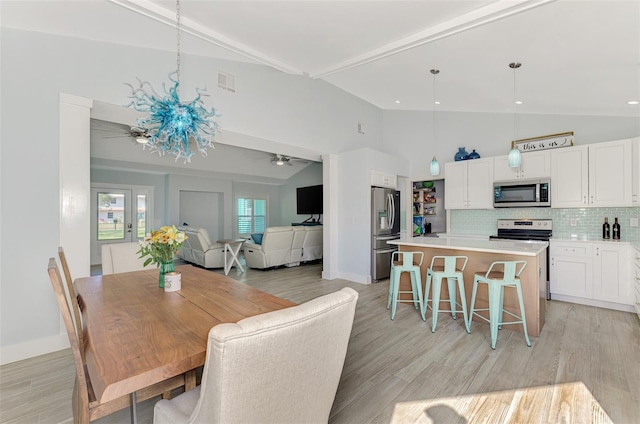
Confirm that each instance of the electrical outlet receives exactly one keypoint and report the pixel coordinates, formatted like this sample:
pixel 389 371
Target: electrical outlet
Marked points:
pixel 574 222
pixel 634 222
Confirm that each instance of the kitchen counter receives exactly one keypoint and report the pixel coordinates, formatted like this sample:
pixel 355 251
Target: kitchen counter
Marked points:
pixel 508 247
pixel 481 254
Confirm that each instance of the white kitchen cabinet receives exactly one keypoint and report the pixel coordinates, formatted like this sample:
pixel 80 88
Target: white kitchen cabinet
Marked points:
pixel 635 170
pixel 570 177
pixel 383 179
pixel 636 281
pixel 610 173
pixel 611 276
pixel 571 272
pixel 469 184
pixel 534 165
pixel 591 273
pixel 596 175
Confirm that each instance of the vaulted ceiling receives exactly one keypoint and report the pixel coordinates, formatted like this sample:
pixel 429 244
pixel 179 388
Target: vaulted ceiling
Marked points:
pixel 579 57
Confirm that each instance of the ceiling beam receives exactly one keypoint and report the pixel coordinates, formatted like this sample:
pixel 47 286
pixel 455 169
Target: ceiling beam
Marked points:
pixel 168 17
pixel 482 16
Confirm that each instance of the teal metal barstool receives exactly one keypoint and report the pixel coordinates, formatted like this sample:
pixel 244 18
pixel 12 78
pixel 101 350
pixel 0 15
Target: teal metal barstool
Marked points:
pixel 496 281
pixel 446 267
pixel 412 266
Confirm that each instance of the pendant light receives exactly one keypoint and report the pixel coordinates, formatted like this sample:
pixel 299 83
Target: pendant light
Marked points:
pixel 434 168
pixel 172 126
pixel 515 157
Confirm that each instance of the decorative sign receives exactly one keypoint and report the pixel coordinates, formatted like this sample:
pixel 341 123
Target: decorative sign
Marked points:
pixel 552 141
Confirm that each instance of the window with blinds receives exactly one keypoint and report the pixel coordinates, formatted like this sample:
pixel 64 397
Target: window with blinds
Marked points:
pixel 252 216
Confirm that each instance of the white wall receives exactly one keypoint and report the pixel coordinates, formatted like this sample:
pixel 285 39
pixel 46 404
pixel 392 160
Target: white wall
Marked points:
pixel 409 134
pixel 203 209
pixel 354 204
pixel 36 67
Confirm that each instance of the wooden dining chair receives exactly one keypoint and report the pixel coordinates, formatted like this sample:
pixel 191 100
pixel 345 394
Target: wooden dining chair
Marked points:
pixel 86 407
pixel 278 367
pixel 74 305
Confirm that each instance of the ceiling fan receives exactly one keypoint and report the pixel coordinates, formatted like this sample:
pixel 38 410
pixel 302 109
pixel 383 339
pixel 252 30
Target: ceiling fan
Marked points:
pixel 115 130
pixel 280 160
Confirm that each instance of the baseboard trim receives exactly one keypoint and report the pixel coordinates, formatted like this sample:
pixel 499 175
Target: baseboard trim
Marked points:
pixel 30 349
pixel 593 302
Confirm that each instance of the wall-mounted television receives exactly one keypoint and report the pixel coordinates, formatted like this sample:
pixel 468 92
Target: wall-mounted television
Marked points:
pixel 309 200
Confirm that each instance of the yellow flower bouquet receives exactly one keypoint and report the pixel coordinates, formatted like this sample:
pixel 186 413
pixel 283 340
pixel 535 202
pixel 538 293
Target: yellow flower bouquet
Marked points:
pixel 161 245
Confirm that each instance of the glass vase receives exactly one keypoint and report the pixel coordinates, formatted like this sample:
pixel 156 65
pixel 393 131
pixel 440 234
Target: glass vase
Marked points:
pixel 461 155
pixel 166 266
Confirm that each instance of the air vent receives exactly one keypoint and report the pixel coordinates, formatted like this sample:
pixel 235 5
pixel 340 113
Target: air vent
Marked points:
pixel 227 81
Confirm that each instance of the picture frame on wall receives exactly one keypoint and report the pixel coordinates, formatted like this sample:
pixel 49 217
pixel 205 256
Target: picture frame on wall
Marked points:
pixel 553 141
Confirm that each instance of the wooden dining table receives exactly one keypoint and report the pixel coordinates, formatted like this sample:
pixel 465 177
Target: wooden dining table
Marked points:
pixel 138 335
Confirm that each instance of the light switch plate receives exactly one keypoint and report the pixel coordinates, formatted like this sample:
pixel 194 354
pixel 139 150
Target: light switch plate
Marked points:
pixel 634 222
pixel 574 222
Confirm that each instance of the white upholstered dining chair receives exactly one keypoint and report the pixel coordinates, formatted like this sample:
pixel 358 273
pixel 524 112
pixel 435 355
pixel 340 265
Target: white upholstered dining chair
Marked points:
pixel 122 257
pixel 278 367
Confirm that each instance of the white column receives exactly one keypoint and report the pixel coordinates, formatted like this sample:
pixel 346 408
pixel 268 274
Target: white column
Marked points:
pixel 75 182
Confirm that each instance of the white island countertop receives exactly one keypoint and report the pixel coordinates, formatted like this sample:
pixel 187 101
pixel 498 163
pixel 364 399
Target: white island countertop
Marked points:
pixel 509 247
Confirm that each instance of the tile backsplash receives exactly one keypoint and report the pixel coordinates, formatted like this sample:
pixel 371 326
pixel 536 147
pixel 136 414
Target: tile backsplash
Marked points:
pixel 588 221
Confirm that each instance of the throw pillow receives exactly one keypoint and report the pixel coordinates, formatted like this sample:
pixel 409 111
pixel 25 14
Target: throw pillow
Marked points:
pixel 257 238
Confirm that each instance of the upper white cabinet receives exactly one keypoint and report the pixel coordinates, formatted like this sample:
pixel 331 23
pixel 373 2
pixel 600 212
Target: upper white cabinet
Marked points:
pixel 570 177
pixel 468 184
pixel 610 173
pixel 534 165
pixel 382 179
pixel 595 175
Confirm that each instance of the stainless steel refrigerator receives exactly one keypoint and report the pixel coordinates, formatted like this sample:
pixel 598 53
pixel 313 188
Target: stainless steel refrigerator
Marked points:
pixel 385 226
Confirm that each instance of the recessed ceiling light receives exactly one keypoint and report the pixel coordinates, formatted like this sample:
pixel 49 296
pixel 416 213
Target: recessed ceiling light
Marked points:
pixel 436 102
pixel 633 102
pixel 518 102
pixel 397 101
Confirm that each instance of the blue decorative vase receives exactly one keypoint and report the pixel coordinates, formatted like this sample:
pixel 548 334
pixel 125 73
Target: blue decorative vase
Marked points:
pixel 461 155
pixel 473 155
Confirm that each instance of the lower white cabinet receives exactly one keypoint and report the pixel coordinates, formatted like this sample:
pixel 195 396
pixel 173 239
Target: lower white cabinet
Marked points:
pixel 611 277
pixel 636 285
pixel 592 273
pixel 571 272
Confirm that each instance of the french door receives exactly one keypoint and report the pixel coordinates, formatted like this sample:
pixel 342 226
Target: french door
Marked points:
pixel 119 214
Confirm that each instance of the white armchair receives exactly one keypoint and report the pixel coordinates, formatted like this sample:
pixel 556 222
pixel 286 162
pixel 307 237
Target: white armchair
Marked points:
pixel 122 257
pixel 278 367
pixel 275 249
pixel 312 246
pixel 198 249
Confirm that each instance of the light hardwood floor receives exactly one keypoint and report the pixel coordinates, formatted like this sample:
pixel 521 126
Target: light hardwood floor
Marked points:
pixel 395 369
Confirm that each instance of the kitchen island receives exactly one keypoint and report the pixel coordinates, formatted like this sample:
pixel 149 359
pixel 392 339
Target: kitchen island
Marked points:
pixel 481 254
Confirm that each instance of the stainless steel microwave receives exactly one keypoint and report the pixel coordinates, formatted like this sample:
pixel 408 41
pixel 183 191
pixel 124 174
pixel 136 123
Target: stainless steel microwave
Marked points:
pixel 522 193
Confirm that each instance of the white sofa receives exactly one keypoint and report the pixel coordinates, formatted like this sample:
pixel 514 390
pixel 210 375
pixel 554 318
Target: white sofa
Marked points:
pixel 287 246
pixel 198 248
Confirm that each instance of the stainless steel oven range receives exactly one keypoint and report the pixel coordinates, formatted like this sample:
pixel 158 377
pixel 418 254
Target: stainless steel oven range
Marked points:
pixel 526 230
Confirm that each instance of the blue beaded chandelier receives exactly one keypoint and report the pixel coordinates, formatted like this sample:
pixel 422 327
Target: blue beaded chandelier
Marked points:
pixel 170 124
